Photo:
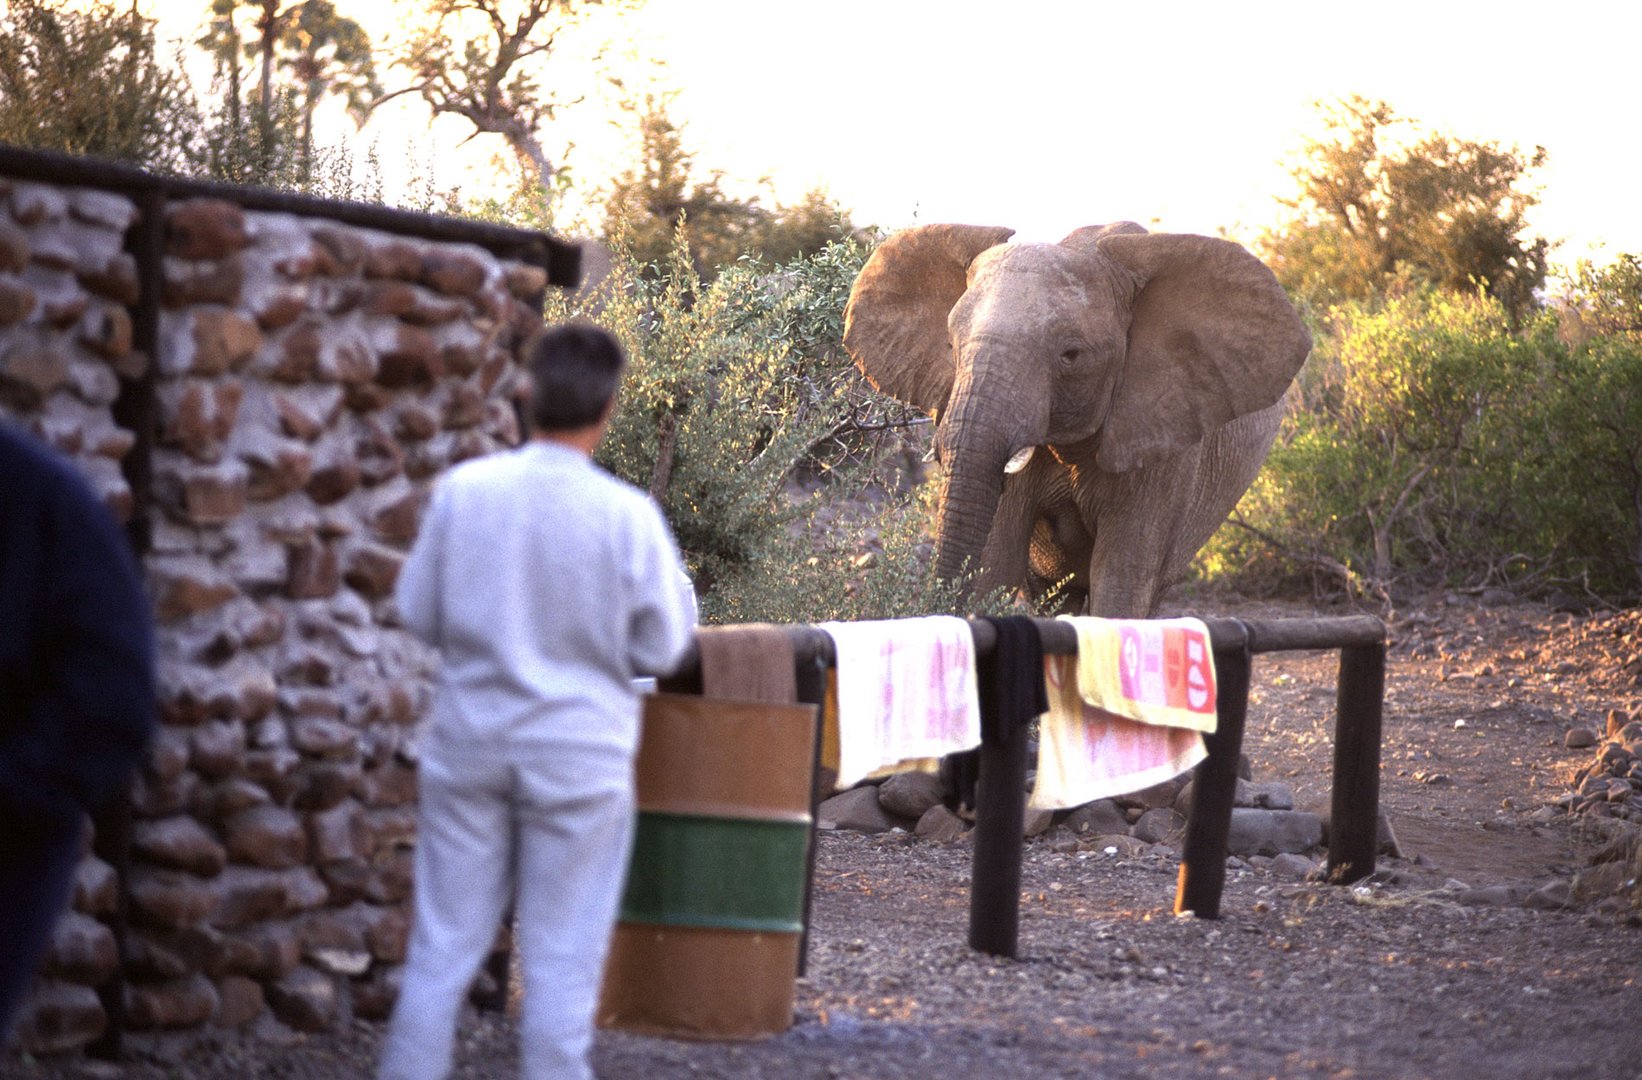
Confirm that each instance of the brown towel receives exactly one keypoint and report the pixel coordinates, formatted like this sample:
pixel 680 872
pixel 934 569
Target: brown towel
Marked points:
pixel 747 662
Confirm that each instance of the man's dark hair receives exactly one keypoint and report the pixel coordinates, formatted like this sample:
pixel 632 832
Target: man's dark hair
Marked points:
pixel 574 372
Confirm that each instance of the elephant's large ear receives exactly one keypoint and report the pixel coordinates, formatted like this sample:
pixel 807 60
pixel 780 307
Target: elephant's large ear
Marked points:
pixel 895 322
pixel 1212 338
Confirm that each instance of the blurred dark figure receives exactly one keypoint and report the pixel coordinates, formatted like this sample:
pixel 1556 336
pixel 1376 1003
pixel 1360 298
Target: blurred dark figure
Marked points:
pixel 77 699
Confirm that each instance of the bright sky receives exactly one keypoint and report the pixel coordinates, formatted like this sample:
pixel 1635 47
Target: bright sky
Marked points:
pixel 1045 115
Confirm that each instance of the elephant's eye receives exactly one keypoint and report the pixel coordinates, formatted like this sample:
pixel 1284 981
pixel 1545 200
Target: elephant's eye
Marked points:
pixel 1070 356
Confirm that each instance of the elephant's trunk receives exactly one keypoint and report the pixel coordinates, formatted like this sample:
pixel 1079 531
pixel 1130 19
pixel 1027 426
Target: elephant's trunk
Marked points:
pixel 974 447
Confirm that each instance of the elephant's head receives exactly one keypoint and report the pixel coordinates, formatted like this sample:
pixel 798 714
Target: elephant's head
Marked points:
pixel 1141 342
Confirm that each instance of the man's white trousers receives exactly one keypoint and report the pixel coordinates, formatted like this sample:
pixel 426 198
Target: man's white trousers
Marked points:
pixel 551 830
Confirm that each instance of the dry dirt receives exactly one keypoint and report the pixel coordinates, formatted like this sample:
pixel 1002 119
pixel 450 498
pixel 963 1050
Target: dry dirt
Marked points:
pixel 1395 977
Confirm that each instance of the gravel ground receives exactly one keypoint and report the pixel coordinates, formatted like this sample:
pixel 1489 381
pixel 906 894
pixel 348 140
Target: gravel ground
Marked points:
pixel 1433 968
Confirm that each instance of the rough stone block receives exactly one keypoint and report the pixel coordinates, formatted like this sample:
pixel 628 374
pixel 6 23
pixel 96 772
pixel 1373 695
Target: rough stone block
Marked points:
pixel 81 950
pixel 179 1003
pixel 395 514
pixel 58 1018
pixel 180 843
pixel 390 878
pixel 187 586
pixel 372 569
pixel 339 833
pixel 1273 832
pixel 321 785
pixel 1099 818
pixel 525 281
pixel 152 798
pixel 266 836
pixel 205 229
pixel 398 260
pixel 347 359
pixel 322 737
pixel 276 467
pixel 15 247
pixel 305 999
pixel 170 898
pixel 373 998
pixel 1158 826
pixel 17 303
pixel 115 279
pixel 249 895
pixel 31 370
pixel 910 794
pixel 193 283
pixel 106 330
pixel 96 887
pixel 197 416
pixel 346 880
pixel 378 454
pixel 229 797
pixel 268 951
pixel 940 824
pixel 239 1001
pixel 333 480
pixel 390 785
pixel 858 809
pixel 346 248
pixel 314 571
pixel 452 273
pixel 387 932
pixel 217 749
pixel 201 494
pixel 224 340
pixel 408 356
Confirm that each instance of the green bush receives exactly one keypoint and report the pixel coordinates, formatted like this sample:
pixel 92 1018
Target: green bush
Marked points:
pixel 1430 442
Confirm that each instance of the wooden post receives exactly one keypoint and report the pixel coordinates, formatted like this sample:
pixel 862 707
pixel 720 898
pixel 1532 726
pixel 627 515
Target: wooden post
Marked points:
pixel 1203 855
pixel 812 690
pixel 1000 827
pixel 1354 814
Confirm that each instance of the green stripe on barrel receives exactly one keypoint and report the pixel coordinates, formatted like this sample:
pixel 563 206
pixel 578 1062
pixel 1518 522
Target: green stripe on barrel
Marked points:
pixel 725 873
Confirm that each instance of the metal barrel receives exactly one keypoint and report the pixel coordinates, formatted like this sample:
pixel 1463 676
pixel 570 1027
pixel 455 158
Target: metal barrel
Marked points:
pixel 713 912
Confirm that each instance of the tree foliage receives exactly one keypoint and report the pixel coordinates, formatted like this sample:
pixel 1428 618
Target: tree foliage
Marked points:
pixel 1436 442
pixel 1439 210
pixel 663 193
pixel 263 130
pixel 88 81
pixel 482 60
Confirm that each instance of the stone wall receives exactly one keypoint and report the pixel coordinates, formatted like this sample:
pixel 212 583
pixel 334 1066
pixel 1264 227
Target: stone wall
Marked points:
pixel 309 381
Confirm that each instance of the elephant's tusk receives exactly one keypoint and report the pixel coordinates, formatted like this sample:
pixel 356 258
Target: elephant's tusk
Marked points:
pixel 1018 462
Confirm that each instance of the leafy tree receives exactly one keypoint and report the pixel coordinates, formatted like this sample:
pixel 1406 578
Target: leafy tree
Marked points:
pixel 480 60
pixel 320 51
pixel 89 82
pixel 649 204
pixel 327 55
pixel 1445 211
pixel 662 194
pixel 1604 299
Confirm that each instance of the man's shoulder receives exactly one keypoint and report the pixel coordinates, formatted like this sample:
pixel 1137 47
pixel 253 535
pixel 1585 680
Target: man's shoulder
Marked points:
pixel 34 470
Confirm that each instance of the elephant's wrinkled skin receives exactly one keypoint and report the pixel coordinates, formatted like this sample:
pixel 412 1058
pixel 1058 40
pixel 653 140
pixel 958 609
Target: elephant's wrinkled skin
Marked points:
pixel 1148 371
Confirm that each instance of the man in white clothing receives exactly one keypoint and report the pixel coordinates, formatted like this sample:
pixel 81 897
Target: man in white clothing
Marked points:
pixel 547 585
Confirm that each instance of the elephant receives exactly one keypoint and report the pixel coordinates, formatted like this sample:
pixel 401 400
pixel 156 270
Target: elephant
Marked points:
pixel 1100 404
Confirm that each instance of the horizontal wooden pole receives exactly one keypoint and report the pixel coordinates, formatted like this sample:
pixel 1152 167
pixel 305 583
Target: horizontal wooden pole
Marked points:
pixel 810 643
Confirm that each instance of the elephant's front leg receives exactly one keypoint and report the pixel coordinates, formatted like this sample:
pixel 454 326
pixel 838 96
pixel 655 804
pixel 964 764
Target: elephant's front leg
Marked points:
pixel 1135 557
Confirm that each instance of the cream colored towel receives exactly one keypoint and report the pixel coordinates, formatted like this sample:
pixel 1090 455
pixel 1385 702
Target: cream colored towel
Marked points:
pixel 1085 753
pixel 1157 671
pixel 906 691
